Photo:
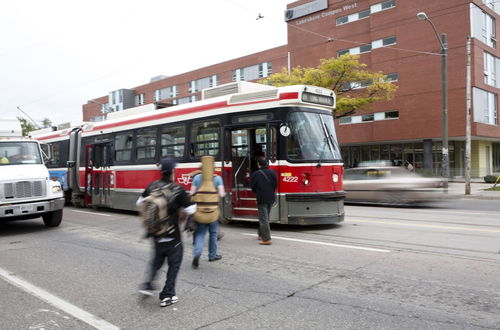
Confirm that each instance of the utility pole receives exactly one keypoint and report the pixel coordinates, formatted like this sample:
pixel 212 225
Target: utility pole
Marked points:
pixel 444 74
pixel 468 88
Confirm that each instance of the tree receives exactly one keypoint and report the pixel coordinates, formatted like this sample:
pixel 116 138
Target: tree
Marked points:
pixel 26 126
pixel 46 122
pixel 354 86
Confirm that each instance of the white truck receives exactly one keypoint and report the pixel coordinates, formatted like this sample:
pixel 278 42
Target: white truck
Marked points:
pixel 26 191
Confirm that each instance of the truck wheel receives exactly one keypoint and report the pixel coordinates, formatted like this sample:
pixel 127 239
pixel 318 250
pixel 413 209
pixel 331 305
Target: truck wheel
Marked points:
pixel 53 219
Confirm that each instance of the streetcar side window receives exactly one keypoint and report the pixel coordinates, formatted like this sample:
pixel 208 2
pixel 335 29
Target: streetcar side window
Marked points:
pixel 123 146
pixel 173 139
pixel 56 155
pixel 146 144
pixel 205 138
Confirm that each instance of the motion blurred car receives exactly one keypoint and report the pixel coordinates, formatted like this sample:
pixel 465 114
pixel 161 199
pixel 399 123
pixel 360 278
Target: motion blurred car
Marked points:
pixel 390 185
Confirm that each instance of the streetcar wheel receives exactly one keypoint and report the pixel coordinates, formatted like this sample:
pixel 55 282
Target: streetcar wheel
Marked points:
pixel 52 219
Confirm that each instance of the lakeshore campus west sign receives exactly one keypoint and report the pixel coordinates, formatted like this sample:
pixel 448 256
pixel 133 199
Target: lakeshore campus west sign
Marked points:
pixel 313 7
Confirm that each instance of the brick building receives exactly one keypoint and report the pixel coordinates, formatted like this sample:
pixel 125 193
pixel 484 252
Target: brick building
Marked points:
pixel 389 38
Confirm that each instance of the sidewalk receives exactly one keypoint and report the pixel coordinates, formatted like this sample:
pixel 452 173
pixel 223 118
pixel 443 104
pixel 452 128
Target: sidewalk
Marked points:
pixel 477 191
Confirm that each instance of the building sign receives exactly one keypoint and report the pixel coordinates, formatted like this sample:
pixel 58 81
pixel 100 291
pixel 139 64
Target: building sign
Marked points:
pixel 332 12
pixel 305 9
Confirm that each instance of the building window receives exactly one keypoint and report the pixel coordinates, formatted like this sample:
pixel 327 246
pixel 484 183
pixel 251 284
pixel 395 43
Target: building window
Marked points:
pixel 369 47
pixel 139 99
pixel 482 26
pixel 146 144
pixel 253 72
pixel 203 83
pixel 393 114
pixel 173 139
pixel 485 107
pixel 366 13
pixel 493 5
pixel 392 77
pixel 205 138
pixel 165 93
pixel 365 48
pixel 490 69
pixel 367 117
pixel 342 20
pixel 389 41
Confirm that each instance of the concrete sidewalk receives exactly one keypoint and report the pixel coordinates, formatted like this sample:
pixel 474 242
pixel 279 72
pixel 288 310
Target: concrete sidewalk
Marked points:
pixel 457 188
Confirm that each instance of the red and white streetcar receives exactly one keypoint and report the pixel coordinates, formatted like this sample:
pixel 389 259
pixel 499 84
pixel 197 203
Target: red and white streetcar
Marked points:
pixel 109 163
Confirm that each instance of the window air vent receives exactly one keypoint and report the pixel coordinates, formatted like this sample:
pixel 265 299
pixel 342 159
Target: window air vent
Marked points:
pixel 233 88
pixel 255 96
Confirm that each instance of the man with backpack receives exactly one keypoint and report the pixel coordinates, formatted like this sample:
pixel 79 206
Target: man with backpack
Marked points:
pixel 264 183
pixel 207 189
pixel 160 205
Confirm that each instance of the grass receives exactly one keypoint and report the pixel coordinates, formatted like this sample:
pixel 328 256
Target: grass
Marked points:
pixel 492 189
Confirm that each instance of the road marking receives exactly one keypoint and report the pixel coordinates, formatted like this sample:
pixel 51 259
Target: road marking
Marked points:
pixel 57 302
pixel 93 213
pixel 324 243
pixel 429 226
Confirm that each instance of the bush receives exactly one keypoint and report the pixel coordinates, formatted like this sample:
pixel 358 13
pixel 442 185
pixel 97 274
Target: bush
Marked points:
pixel 490 178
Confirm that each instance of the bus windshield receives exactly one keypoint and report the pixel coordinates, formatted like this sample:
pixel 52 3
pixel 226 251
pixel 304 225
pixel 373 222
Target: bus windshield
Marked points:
pixel 312 137
pixel 21 152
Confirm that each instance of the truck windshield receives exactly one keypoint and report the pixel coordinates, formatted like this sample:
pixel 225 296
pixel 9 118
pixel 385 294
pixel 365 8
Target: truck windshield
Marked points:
pixel 312 137
pixel 19 152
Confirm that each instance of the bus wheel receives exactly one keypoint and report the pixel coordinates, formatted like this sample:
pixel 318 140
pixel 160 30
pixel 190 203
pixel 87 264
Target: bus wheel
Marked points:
pixel 53 219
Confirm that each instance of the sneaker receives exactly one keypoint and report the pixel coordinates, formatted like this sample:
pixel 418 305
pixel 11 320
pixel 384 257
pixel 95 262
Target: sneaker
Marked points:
pixel 168 301
pixel 217 257
pixel 146 289
pixel 196 262
pixel 266 242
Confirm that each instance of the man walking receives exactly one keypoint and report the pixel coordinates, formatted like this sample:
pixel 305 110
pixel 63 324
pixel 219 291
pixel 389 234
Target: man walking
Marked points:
pixel 167 245
pixel 264 182
pixel 208 189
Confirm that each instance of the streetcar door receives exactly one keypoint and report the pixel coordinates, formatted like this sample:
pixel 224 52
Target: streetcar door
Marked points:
pixel 246 145
pixel 99 177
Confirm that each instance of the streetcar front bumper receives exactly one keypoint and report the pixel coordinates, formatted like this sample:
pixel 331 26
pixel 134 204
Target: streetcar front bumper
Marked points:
pixel 315 209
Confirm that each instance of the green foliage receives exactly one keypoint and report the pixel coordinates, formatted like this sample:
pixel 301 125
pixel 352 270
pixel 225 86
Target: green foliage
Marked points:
pixel 46 122
pixel 343 75
pixel 26 126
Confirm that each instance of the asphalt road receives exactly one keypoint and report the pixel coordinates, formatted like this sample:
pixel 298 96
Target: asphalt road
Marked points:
pixel 383 268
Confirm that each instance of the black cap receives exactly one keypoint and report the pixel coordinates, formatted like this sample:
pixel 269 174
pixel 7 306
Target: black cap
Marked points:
pixel 167 165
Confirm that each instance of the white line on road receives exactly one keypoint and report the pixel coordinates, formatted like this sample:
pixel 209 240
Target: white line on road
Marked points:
pixel 326 244
pixel 387 222
pixel 62 304
pixel 93 213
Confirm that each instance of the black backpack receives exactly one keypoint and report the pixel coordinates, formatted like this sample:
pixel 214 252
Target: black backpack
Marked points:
pixel 154 211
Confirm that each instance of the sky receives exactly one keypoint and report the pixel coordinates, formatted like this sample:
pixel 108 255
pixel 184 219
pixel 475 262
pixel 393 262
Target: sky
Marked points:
pixel 55 55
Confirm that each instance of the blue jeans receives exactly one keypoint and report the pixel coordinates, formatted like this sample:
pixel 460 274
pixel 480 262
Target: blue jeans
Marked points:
pixel 199 239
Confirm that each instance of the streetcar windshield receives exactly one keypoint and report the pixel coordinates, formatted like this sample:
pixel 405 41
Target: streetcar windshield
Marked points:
pixel 23 152
pixel 312 137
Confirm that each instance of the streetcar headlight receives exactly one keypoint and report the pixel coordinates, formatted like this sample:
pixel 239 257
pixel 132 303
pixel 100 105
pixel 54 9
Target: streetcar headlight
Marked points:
pixel 306 182
pixel 335 177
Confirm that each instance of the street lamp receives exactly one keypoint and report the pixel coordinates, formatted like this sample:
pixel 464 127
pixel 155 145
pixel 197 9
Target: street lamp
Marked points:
pixel 443 42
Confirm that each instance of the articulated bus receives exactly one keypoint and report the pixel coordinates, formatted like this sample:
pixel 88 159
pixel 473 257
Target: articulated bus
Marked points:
pixel 109 163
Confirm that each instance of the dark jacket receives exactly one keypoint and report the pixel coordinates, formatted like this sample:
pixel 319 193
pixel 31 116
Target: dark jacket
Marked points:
pixel 179 199
pixel 264 183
